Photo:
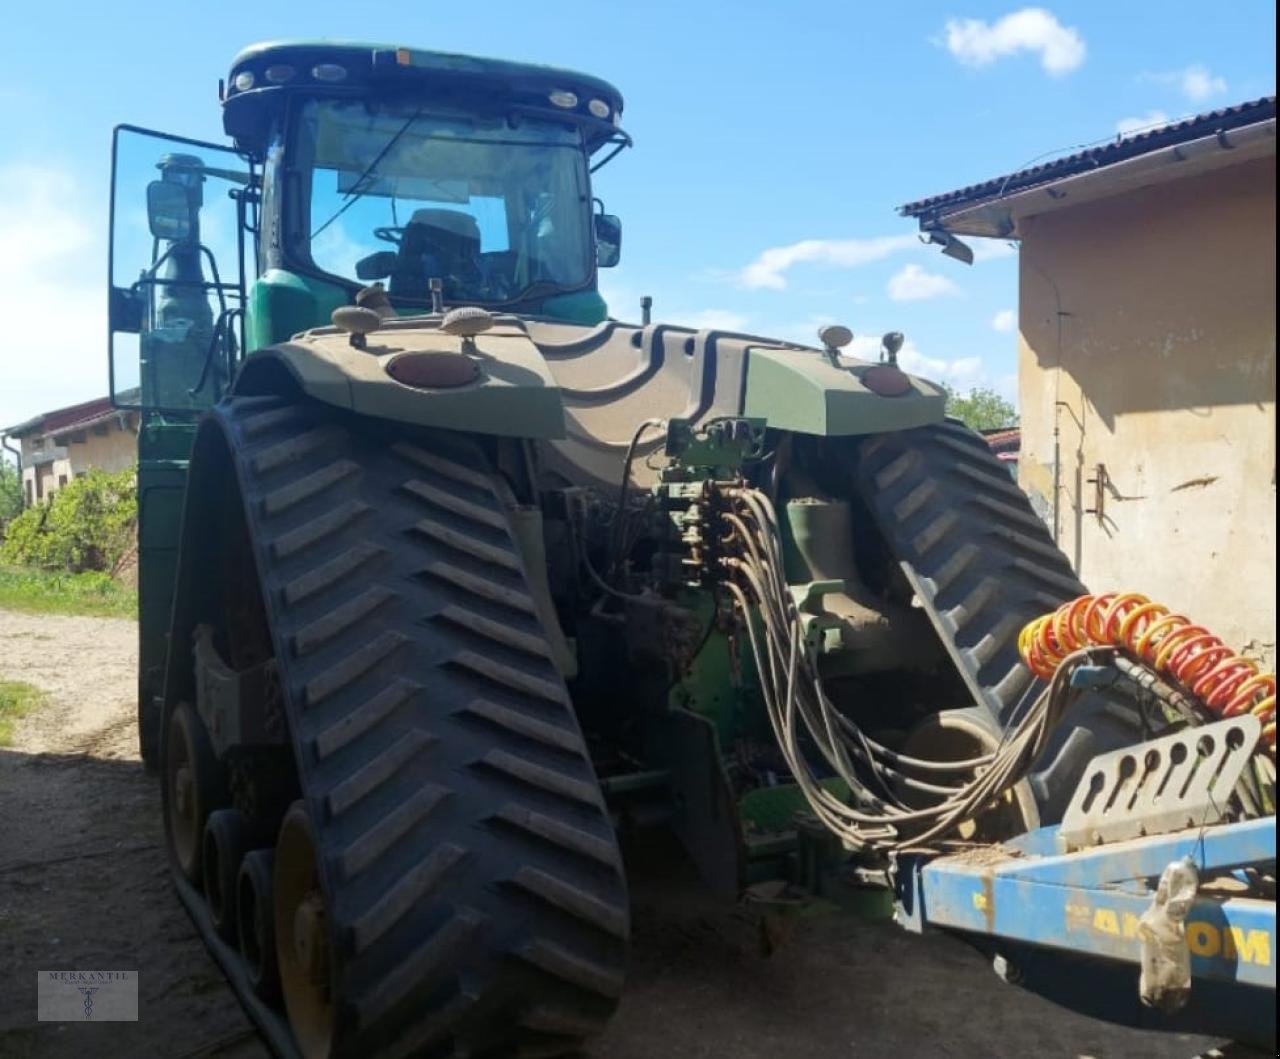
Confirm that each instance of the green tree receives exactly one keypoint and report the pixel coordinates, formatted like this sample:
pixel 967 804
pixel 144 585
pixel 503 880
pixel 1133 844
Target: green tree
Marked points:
pixel 981 408
pixel 10 491
pixel 89 524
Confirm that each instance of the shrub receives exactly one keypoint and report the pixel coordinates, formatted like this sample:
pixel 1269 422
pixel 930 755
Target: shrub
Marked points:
pixel 10 491
pixel 88 524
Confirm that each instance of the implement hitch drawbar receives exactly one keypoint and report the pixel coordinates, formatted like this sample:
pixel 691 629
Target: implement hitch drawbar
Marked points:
pixel 1038 910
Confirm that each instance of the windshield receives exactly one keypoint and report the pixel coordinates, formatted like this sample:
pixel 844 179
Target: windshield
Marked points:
pixel 397 194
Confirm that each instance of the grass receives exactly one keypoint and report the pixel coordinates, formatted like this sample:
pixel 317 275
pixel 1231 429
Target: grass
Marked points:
pixel 46 592
pixel 16 700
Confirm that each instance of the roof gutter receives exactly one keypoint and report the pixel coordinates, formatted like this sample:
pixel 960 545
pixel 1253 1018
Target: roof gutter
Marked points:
pixel 999 218
pixel 17 459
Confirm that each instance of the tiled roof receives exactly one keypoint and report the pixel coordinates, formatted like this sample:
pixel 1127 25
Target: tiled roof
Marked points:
pixel 1103 154
pixel 61 419
pixel 1003 440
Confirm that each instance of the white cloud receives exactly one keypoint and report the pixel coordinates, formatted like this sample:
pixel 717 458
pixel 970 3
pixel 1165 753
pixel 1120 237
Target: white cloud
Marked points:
pixel 1030 29
pixel 1196 82
pixel 769 269
pixel 52 295
pixel 913 284
pixel 1151 119
pixel 716 320
pixel 35 218
pixel 1005 320
pixel 963 372
pixel 992 250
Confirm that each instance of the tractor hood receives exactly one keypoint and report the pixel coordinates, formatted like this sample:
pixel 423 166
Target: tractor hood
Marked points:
pixel 587 388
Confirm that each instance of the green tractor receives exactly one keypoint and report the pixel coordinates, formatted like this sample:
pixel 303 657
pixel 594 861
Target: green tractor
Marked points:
pixel 448 576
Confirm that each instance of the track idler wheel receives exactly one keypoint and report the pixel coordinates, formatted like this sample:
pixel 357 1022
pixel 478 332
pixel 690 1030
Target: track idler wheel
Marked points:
pixel 220 867
pixel 192 789
pixel 960 735
pixel 255 923
pixel 304 949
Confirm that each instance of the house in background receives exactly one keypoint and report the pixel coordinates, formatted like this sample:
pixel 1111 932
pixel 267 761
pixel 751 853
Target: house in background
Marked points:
pixel 1147 358
pixel 1006 443
pixel 60 445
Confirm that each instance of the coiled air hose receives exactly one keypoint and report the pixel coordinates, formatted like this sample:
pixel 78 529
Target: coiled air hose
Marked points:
pixel 1227 683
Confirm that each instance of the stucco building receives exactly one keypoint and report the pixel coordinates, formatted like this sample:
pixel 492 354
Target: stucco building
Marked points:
pixel 1147 358
pixel 57 446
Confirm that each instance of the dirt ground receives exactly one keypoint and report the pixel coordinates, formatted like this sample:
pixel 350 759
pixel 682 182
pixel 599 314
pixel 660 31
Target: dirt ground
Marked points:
pixel 83 884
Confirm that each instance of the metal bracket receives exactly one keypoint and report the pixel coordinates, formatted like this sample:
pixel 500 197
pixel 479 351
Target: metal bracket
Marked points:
pixel 238 708
pixel 1178 781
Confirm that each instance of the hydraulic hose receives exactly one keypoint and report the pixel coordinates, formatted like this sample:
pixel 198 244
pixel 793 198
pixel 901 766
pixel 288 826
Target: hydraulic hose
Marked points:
pixel 820 741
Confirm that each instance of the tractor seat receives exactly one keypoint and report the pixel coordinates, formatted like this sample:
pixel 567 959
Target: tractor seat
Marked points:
pixel 444 243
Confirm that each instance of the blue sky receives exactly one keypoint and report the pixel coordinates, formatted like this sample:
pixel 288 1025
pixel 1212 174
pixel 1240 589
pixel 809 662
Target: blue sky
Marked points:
pixel 773 142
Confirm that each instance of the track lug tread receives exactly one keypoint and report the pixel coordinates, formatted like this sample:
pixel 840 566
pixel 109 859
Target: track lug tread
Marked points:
pixel 425 966
pixel 360 784
pixel 415 885
pixel 539 776
pixel 260 422
pixel 364 717
pixel 572 900
pixel 558 833
pixel 371 845
pixel 482 587
pixel 576 969
pixel 521 723
pixel 508 676
pixel 455 505
pixel 281 454
pixel 432 461
pixel 467 544
pixel 500 632
pixel 326 527
pixel 353 666
pixel 460 827
pixel 282 498
pixel 981 561
pixel 317 633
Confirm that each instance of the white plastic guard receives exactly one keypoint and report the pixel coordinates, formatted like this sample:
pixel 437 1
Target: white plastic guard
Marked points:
pixel 1171 783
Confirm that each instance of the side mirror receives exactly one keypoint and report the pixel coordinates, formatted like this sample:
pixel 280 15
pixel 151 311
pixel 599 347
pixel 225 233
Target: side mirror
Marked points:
pixel 168 211
pixel 378 265
pixel 608 240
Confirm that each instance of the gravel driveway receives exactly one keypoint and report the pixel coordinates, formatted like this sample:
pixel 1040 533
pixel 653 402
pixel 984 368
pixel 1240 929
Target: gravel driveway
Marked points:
pixel 83 884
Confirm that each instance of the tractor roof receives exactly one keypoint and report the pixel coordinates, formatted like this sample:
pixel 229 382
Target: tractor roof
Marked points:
pixel 263 75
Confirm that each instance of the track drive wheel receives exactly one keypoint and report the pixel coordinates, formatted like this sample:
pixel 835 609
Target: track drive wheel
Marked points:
pixel 220 867
pixel 192 789
pixel 962 735
pixel 301 925
pixel 255 923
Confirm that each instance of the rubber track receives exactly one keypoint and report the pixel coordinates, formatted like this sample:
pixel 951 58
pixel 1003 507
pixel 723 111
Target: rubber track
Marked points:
pixel 476 891
pixel 980 560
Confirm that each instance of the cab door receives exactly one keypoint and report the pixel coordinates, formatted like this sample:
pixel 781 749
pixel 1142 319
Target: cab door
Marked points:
pixel 182 239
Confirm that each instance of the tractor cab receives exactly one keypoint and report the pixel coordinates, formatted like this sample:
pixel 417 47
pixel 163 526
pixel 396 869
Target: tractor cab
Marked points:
pixel 449 180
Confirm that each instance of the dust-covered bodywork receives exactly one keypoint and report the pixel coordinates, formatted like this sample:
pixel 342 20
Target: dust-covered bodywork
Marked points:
pixel 586 388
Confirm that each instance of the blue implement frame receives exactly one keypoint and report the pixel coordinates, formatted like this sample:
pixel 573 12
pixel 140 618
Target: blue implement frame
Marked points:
pixel 1089 902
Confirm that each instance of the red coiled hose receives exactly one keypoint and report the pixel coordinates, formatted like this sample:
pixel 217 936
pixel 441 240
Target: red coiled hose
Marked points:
pixel 1226 682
